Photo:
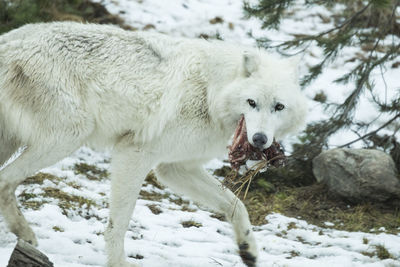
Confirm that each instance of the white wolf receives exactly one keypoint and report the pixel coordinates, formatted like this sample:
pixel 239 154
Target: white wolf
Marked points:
pixel 159 102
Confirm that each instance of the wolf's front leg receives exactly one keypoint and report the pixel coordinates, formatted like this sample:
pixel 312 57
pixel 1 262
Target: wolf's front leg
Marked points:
pixel 129 168
pixel 193 181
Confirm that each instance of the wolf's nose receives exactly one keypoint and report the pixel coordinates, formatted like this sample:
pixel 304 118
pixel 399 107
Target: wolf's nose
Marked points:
pixel 259 139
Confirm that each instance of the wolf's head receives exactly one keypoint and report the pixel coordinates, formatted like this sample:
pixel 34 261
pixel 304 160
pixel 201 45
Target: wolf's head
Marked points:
pixel 267 94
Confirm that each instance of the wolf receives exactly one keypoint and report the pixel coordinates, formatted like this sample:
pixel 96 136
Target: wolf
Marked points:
pixel 157 102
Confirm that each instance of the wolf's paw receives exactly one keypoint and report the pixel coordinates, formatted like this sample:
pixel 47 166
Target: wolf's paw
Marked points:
pixel 28 236
pixel 249 258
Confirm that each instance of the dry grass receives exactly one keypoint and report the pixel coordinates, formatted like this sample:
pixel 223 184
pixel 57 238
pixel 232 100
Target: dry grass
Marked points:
pixel 40 177
pixel 155 209
pixel 68 202
pixel 316 205
pixel 240 184
pixel 382 253
pixel 58 229
pixel 91 172
pixel 191 223
pixel 277 191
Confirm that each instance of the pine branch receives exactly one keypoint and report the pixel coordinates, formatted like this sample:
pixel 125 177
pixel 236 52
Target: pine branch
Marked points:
pixel 372 132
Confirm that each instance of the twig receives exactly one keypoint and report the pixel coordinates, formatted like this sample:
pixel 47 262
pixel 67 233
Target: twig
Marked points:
pixel 372 132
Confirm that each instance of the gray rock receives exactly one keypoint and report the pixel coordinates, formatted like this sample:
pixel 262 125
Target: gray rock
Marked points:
pixel 358 175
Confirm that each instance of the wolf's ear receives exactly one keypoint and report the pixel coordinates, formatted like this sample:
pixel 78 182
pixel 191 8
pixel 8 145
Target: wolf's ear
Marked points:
pixel 250 63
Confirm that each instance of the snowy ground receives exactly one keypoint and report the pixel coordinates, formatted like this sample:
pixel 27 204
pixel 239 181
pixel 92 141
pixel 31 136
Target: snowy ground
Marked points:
pixel 71 235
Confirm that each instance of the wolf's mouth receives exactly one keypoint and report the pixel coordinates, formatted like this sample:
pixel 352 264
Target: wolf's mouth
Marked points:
pixel 241 150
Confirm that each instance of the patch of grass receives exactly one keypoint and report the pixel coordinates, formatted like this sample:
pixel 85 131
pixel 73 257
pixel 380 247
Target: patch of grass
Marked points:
pixel 320 97
pixel 292 225
pixel 40 177
pixel 218 216
pixel 179 201
pixel 188 209
pixel 258 206
pixel 19 12
pixel 154 196
pixel 136 256
pixel 301 239
pixel 26 200
pixel 365 240
pixel 58 229
pixel 216 20
pixel 92 172
pixel 68 202
pixel 24 196
pixel 34 205
pixel 316 205
pixel 368 254
pixel 154 209
pixel 74 185
pixel 382 253
pixel 152 179
pixel 191 223
pixel 224 171
pixel 293 254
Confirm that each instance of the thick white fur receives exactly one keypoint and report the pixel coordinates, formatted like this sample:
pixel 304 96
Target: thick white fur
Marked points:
pixel 157 102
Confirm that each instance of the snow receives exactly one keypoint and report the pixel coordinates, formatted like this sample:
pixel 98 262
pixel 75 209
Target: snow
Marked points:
pixel 162 240
pixel 74 238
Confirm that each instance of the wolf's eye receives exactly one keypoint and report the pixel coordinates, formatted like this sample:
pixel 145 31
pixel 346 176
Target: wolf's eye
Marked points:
pixel 252 103
pixel 279 107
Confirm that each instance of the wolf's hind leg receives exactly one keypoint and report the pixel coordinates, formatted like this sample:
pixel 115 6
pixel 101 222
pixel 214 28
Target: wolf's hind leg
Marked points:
pixel 193 181
pixel 30 161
